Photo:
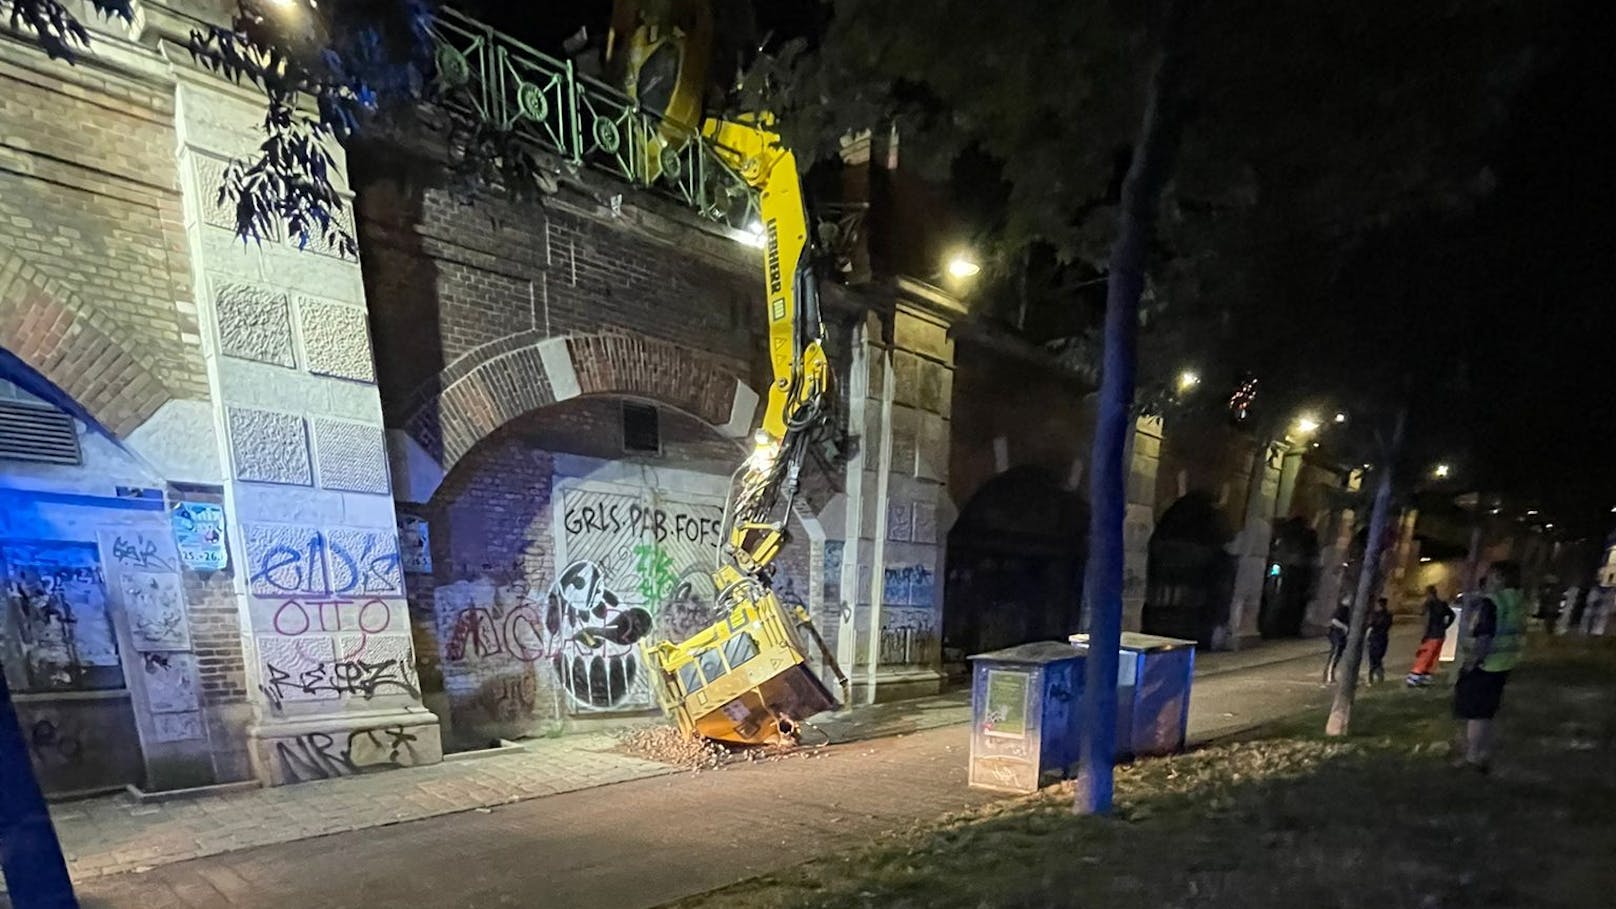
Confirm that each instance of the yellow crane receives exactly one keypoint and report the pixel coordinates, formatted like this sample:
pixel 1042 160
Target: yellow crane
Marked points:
pixel 745 678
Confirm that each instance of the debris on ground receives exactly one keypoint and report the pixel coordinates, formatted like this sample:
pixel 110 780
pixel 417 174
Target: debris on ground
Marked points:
pixel 666 745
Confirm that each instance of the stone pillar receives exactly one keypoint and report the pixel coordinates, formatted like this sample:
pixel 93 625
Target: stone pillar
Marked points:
pixel 330 663
pixel 1144 458
pixel 1250 546
pixel 893 518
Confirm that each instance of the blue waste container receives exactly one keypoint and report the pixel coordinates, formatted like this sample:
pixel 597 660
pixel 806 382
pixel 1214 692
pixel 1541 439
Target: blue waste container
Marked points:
pixel 1024 715
pixel 1154 675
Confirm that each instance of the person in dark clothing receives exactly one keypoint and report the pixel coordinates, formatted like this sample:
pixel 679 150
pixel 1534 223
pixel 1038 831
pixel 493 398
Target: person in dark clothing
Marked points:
pixel 1438 616
pixel 1380 638
pixel 1491 648
pixel 1338 640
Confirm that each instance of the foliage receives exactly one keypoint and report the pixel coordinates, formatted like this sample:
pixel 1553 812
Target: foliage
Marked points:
pixel 58 33
pixel 1312 127
pixel 325 72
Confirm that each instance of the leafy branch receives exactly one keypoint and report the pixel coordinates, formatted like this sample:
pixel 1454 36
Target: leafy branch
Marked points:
pixel 324 75
pixel 59 34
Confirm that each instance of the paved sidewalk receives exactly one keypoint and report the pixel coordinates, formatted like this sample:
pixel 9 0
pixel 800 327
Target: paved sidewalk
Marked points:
pixel 117 833
pixel 648 841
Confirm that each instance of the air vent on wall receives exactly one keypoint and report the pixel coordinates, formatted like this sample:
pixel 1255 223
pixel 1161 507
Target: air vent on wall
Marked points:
pixel 642 433
pixel 33 433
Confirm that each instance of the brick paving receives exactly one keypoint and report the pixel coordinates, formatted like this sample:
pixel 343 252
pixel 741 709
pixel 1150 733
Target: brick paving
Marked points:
pixel 647 841
pixel 115 834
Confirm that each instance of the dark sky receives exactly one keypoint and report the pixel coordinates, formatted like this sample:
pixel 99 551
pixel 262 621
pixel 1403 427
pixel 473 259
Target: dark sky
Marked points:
pixel 1538 259
pixel 1545 279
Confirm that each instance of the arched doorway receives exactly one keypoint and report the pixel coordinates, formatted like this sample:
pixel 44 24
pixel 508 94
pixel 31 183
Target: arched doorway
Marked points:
pixel 1015 565
pixel 1190 575
pixel 1290 579
pixel 560 544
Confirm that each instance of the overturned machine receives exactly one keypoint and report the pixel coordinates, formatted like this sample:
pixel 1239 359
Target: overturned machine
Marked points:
pixel 746 678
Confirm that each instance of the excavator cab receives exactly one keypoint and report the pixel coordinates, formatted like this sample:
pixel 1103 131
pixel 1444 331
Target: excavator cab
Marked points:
pixel 745 679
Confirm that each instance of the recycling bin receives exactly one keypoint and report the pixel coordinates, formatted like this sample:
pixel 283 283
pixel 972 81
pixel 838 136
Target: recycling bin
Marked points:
pixel 1154 676
pixel 1024 715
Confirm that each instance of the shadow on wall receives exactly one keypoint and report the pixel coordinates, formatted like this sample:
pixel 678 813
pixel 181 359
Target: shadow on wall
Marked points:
pixel 1015 565
pixel 1190 574
pixel 1290 578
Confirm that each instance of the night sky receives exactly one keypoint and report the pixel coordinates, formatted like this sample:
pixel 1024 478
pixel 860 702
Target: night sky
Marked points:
pixel 1537 260
pixel 1545 282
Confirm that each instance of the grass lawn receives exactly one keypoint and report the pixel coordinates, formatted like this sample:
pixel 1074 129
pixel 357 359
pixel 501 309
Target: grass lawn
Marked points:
pixel 1288 818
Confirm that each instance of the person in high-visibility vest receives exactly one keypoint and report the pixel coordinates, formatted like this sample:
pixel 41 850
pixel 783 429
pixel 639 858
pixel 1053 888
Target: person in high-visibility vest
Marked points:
pixel 1490 647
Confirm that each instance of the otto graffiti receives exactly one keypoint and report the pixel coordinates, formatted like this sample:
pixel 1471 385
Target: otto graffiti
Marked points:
pixel 324 755
pixel 328 609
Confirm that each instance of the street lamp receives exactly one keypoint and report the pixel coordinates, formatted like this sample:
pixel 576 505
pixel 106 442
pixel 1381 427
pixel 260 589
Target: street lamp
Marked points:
pixel 1307 424
pixel 961 267
pixel 1188 380
pixel 1442 471
pixel 1340 417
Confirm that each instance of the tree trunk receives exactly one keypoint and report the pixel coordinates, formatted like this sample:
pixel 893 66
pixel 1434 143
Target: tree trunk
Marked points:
pixel 1108 482
pixel 1346 681
pixel 30 855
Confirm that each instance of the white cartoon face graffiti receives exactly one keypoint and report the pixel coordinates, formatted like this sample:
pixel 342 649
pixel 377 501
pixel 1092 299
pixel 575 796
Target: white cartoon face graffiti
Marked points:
pixel 597 656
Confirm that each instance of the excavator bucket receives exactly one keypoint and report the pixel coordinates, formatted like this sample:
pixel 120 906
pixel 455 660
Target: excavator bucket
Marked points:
pixel 744 680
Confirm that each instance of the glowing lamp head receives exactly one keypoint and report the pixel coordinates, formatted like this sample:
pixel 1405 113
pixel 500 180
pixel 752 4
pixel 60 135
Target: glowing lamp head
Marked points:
pixel 961 267
pixel 1307 424
pixel 1187 380
pixel 755 236
pixel 1442 471
pixel 1340 417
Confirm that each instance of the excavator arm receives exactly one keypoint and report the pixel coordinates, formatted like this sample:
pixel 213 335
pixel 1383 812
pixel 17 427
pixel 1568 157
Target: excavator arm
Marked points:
pixel 745 678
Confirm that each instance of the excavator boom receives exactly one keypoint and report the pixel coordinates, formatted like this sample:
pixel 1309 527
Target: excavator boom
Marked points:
pixel 745 678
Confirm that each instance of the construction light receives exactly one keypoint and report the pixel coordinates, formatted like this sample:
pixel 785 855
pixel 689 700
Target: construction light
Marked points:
pixel 754 235
pixel 962 267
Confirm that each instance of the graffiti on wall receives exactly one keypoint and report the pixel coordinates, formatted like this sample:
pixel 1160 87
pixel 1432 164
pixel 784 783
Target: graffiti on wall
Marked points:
pixel 909 585
pixel 56 618
pixel 326 755
pixel 909 636
pixel 170 682
pixel 632 566
pixel 329 614
pixel 155 610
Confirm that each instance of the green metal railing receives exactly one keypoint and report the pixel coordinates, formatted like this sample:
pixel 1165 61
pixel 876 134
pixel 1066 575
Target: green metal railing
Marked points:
pixel 502 82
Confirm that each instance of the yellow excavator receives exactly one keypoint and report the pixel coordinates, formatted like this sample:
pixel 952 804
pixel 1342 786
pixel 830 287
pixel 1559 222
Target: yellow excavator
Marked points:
pixel 745 679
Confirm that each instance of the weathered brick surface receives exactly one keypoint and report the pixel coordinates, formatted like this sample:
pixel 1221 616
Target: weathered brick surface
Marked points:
pixel 453 287
pixel 95 282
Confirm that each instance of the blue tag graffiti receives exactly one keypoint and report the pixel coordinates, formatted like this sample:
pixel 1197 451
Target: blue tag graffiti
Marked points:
pixel 289 569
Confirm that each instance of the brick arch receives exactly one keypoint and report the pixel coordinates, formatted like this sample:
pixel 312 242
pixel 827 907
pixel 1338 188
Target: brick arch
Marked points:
pixel 526 372
pixel 46 326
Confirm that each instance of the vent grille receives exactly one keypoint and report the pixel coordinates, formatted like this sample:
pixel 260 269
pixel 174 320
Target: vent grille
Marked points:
pixel 642 432
pixel 43 434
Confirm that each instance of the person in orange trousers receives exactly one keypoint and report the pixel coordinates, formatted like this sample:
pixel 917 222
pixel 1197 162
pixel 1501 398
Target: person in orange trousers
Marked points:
pixel 1438 616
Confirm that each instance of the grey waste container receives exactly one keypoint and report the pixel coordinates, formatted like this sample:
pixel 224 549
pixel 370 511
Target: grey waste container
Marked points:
pixel 1154 675
pixel 1024 715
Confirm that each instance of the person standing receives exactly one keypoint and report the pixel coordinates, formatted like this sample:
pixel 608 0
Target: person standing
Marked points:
pixel 1491 649
pixel 1380 638
pixel 1338 640
pixel 1438 616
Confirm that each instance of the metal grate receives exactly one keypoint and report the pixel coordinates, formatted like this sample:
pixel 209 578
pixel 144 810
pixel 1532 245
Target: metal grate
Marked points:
pixel 642 432
pixel 33 433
